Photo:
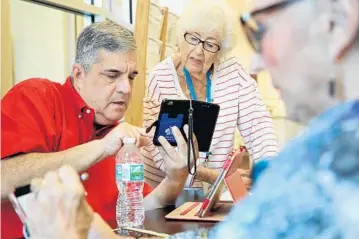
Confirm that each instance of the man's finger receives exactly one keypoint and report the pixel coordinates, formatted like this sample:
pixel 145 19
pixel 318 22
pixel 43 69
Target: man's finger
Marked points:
pixel 142 138
pixel 168 160
pixel 167 146
pixel 143 141
pixel 181 142
pixel 142 131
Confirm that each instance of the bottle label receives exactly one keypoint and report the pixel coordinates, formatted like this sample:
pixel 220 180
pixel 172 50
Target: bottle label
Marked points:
pixel 129 172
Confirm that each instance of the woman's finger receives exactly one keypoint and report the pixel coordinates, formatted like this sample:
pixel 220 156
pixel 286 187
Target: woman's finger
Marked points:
pixel 52 193
pixel 36 185
pixel 71 181
pixel 52 184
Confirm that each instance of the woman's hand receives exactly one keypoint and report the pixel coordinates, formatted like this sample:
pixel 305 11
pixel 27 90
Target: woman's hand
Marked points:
pixel 59 208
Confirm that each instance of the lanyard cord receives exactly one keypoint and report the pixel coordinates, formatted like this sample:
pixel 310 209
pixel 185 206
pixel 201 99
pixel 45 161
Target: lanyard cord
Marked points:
pixel 190 144
pixel 192 92
pixel 193 96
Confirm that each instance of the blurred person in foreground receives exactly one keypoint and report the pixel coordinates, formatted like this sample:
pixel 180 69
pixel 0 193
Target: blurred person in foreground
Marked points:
pixel 46 125
pixel 202 71
pixel 311 189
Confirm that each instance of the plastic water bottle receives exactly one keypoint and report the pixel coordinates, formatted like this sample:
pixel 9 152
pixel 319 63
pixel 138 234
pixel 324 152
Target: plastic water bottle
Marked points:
pixel 130 180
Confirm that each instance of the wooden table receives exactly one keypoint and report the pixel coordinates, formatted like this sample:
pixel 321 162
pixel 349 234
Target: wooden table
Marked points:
pixel 155 221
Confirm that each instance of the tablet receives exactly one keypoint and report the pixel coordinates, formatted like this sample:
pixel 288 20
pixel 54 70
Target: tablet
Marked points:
pixel 175 113
pixel 212 208
pixel 229 178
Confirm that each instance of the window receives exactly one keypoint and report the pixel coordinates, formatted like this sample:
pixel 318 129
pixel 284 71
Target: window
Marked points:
pixel 97 3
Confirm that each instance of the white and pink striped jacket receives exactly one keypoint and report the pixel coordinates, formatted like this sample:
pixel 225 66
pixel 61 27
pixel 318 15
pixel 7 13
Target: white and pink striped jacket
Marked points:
pixel 241 105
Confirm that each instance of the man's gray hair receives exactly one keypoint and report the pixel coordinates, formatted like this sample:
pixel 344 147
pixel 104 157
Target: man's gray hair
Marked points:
pixel 105 35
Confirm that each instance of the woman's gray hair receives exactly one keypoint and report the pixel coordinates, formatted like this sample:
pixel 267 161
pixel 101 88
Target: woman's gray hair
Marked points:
pixel 210 15
pixel 105 35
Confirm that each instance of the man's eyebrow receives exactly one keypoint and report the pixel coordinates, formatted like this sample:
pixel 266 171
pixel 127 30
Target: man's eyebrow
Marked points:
pixel 113 71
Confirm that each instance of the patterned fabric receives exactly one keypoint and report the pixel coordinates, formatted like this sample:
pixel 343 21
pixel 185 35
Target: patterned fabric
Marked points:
pixel 201 233
pixel 241 106
pixel 311 190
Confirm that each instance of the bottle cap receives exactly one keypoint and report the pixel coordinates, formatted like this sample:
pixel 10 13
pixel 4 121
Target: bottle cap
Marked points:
pixel 129 140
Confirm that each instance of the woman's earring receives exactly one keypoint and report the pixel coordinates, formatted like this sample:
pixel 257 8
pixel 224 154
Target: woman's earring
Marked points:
pixel 332 88
pixel 335 89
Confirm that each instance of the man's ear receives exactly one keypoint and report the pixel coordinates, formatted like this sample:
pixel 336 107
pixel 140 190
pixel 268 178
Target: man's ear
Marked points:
pixel 344 26
pixel 78 74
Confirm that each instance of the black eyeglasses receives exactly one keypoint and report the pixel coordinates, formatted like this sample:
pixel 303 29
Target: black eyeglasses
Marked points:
pixel 255 30
pixel 208 46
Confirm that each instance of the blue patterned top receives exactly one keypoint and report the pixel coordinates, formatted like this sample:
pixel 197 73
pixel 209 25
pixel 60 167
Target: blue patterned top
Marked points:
pixel 311 190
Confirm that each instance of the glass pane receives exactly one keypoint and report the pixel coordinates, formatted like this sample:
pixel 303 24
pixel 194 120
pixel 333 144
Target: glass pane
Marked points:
pixel 43 41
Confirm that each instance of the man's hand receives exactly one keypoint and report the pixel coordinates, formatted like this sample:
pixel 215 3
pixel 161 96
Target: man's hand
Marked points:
pixel 175 167
pixel 112 142
pixel 175 159
pixel 59 208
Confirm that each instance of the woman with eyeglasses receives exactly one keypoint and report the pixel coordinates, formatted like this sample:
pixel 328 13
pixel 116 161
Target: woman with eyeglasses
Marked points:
pixel 199 71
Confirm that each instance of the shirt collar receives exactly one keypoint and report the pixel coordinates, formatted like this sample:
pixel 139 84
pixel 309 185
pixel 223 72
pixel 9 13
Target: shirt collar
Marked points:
pixel 80 105
pixel 77 100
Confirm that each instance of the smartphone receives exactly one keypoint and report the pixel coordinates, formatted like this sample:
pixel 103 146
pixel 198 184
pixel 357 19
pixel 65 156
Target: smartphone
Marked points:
pixel 175 113
pixel 20 199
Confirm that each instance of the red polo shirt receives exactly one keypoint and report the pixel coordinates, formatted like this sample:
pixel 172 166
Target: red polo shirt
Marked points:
pixel 39 115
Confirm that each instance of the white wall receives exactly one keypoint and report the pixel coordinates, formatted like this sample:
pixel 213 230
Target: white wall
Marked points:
pixel 175 7
pixel 40 41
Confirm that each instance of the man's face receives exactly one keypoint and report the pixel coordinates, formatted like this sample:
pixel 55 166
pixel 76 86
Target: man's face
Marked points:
pixel 107 86
pixel 295 50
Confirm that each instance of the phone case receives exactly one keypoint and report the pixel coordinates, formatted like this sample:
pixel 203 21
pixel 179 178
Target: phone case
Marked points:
pixel 175 113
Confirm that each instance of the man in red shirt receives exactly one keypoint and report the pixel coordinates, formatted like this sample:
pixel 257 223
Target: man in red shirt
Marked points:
pixel 46 125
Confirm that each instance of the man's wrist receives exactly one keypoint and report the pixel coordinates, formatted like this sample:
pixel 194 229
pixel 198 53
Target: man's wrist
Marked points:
pixel 178 180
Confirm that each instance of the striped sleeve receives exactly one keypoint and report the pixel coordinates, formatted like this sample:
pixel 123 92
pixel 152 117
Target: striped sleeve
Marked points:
pixel 150 154
pixel 254 122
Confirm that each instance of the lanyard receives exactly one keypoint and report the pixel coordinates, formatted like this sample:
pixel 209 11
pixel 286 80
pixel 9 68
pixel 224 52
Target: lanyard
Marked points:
pixel 191 87
pixel 194 97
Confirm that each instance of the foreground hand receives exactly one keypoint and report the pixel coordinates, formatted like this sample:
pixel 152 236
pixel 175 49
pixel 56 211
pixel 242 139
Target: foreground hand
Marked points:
pixel 175 160
pixel 113 140
pixel 59 208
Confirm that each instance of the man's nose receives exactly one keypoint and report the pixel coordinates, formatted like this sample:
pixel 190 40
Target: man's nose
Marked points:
pixel 124 85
